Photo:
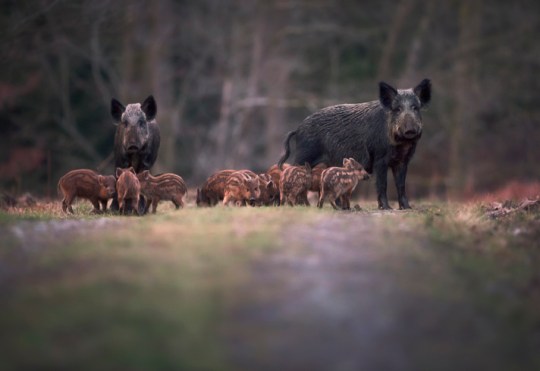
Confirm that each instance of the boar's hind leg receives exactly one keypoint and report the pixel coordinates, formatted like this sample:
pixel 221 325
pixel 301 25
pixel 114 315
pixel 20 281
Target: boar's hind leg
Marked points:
pixel 154 204
pixel 66 204
pixel 321 199
pixel 178 203
pixel 400 173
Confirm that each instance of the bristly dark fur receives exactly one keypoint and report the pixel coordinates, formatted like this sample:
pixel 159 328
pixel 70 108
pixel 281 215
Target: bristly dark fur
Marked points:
pixel 137 138
pixel 380 134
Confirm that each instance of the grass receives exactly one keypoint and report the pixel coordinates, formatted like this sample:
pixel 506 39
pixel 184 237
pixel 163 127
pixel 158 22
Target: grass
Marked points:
pixel 145 293
pixel 108 292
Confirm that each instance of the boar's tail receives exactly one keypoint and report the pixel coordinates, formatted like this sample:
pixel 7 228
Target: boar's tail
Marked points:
pixel 287 149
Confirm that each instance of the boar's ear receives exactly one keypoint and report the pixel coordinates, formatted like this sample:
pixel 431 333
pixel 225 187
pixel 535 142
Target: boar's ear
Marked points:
pixel 119 172
pixel 386 94
pixel 269 184
pixel 132 170
pixel 101 180
pixel 117 109
pixel 149 108
pixel 423 91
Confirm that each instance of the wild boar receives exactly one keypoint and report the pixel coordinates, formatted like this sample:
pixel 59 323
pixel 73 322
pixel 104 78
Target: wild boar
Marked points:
pixel 213 189
pixel 340 182
pixel 241 188
pixel 275 172
pixel 128 189
pixel 316 173
pixel 137 137
pixel 380 134
pixel 87 184
pixel 295 183
pixel 269 192
pixel 168 186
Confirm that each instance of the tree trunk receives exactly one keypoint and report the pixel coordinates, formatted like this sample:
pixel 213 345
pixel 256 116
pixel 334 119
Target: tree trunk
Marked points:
pixel 460 176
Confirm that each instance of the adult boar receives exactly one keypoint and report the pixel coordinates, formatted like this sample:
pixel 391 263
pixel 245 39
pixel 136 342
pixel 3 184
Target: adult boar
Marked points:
pixel 136 141
pixel 379 134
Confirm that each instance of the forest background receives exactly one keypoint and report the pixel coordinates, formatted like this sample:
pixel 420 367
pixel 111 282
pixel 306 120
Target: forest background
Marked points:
pixel 231 78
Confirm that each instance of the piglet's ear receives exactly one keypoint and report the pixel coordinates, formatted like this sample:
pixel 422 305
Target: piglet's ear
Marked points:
pixel 119 172
pixel 101 179
pixel 117 109
pixel 423 91
pixel 132 170
pixel 386 94
pixel 345 161
pixel 149 108
pixel 145 174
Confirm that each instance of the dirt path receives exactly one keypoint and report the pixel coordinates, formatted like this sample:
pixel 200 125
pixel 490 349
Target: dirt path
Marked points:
pixel 360 292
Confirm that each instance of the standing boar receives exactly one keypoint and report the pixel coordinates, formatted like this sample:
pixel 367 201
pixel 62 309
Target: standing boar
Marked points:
pixel 241 188
pixel 295 183
pixel 87 184
pixel 128 189
pixel 340 182
pixel 167 186
pixel 379 134
pixel 136 142
pixel 213 189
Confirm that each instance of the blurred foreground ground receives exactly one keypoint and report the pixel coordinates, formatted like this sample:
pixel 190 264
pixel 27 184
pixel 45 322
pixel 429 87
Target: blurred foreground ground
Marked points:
pixel 442 287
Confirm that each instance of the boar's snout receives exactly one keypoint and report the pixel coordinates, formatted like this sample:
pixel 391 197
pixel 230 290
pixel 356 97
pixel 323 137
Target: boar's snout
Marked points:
pixel 410 128
pixel 132 148
pixel 366 176
pixel 411 133
pixel 252 201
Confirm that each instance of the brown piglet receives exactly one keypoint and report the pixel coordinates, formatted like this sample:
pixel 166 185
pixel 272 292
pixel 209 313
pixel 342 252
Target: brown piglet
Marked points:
pixel 87 184
pixel 168 186
pixel 128 189
pixel 213 189
pixel 242 187
pixel 340 182
pixel 294 185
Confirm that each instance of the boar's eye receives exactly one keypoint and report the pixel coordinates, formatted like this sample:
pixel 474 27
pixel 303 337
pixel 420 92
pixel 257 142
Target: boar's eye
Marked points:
pixel 414 107
pixel 141 122
pixel 397 110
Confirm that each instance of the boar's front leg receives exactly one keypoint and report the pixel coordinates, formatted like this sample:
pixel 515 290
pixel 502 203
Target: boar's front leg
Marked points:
pixel 400 173
pixel 381 171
